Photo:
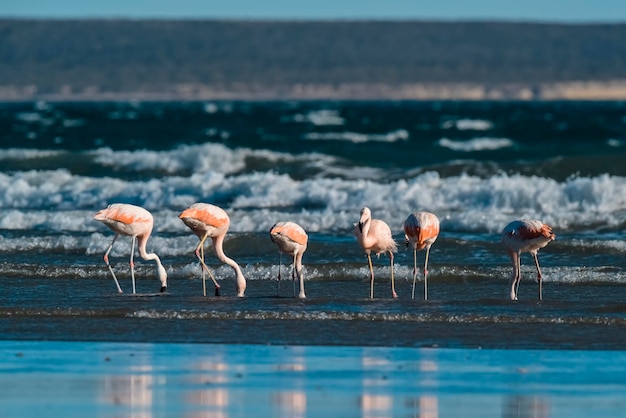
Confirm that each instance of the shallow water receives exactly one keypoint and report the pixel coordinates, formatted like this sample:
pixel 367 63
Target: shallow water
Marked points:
pixel 459 313
pixel 198 380
pixel 71 346
pixel 476 165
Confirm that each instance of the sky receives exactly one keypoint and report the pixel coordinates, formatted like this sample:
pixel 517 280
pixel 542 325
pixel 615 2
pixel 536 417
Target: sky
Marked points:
pixel 565 11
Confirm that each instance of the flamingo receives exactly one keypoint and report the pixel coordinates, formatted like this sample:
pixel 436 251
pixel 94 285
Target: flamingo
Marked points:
pixel 136 222
pixel 375 235
pixel 421 230
pixel 210 221
pixel 525 236
pixel 291 239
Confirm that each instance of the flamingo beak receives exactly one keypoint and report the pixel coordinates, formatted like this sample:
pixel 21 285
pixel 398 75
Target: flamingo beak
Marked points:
pixel 163 289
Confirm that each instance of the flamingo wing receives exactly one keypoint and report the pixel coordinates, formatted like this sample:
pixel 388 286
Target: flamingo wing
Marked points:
pixel 123 213
pixel 534 229
pixel 422 227
pixel 290 231
pixel 207 214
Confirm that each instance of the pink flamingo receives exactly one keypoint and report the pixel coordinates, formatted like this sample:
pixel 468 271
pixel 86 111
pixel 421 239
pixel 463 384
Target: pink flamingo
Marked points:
pixel 421 229
pixel 291 239
pixel 210 221
pixel 375 235
pixel 525 236
pixel 136 222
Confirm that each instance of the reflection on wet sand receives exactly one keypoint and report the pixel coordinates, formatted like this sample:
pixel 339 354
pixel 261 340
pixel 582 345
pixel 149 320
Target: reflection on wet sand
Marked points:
pixel 212 376
pixel 377 399
pixel 525 407
pixel 134 390
pixel 309 381
pixel 290 403
pixel 291 400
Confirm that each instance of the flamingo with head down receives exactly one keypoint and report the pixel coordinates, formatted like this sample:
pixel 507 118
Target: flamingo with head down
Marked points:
pixel 210 221
pixel 525 235
pixel 291 239
pixel 135 222
pixel 421 229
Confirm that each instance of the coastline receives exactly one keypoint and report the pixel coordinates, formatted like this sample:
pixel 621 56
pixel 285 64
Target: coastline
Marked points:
pixel 153 380
pixel 572 90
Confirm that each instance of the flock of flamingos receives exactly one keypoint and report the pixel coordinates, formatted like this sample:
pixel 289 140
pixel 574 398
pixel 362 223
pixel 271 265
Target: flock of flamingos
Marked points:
pixel 374 235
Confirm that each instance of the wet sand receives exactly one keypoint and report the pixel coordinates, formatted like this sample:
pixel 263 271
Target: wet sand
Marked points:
pixel 217 380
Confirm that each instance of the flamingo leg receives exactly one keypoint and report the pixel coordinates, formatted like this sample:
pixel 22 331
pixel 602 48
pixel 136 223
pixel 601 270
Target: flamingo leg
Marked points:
pixel 393 285
pixel 200 255
pixel 426 273
pixel 280 263
pixel 539 277
pixel 518 273
pixel 106 260
pixel 369 259
pixel 301 295
pixel 132 263
pixel 203 272
pixel 515 276
pixel 293 275
pixel 414 271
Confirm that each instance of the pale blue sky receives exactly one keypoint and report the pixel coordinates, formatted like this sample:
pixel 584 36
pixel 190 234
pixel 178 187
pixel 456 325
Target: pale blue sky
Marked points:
pixel 526 10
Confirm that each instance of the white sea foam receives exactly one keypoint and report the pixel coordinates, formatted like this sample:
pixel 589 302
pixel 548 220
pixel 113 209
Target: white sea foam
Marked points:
pixel 323 117
pixel 357 138
pixel 205 158
pixel 612 142
pixel 255 200
pixel 61 201
pixel 211 108
pixel 26 154
pixel 34 118
pixel 468 124
pixel 476 144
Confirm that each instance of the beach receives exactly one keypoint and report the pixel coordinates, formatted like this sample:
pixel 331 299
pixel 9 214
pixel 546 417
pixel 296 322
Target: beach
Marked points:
pixel 72 346
pixel 216 380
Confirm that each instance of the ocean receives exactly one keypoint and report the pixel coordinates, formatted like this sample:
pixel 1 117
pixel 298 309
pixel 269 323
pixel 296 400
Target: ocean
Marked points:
pixel 476 165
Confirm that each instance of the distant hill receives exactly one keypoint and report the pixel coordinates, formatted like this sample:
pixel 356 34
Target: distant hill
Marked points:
pixel 196 59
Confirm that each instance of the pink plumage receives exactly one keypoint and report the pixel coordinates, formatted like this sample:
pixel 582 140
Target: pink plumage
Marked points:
pixel 210 221
pixel 525 235
pixel 135 222
pixel 421 229
pixel 375 236
pixel 291 239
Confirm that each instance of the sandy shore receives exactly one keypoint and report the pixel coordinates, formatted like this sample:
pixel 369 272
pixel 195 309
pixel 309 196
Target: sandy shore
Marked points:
pixel 571 90
pixel 202 380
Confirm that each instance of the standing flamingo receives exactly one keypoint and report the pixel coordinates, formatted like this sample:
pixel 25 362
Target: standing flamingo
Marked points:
pixel 291 239
pixel 375 235
pixel 421 229
pixel 525 236
pixel 210 221
pixel 136 222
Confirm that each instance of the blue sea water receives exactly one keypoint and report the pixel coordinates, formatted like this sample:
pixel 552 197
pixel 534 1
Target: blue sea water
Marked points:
pixel 77 379
pixel 71 345
pixel 476 165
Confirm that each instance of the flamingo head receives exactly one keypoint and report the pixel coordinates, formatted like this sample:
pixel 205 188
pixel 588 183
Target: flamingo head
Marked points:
pixel 162 277
pixel 366 215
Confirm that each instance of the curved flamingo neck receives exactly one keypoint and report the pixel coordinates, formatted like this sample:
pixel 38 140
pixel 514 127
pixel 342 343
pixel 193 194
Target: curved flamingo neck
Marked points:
pixel 366 240
pixel 219 251
pixel 142 241
pixel 298 266
pixel 298 262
